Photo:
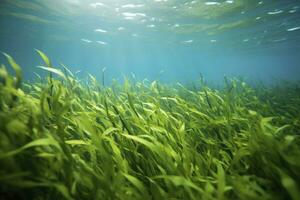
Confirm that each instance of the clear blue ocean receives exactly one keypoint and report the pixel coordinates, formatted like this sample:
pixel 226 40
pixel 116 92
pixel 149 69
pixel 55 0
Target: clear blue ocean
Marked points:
pixel 169 40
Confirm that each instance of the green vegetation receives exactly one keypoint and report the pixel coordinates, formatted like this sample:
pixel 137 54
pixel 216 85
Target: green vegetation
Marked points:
pixel 61 139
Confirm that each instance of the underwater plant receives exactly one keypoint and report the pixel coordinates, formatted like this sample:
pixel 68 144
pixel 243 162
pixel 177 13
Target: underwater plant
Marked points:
pixel 62 139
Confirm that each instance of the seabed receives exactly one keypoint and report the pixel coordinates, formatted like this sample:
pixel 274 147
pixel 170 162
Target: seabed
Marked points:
pixel 63 139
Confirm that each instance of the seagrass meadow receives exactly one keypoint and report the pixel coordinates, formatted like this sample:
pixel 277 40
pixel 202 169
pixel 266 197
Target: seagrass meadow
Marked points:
pixel 61 138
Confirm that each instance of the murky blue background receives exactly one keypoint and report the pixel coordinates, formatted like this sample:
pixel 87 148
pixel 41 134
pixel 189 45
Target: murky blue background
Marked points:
pixel 169 40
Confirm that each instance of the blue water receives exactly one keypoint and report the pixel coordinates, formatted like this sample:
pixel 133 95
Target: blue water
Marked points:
pixel 168 40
